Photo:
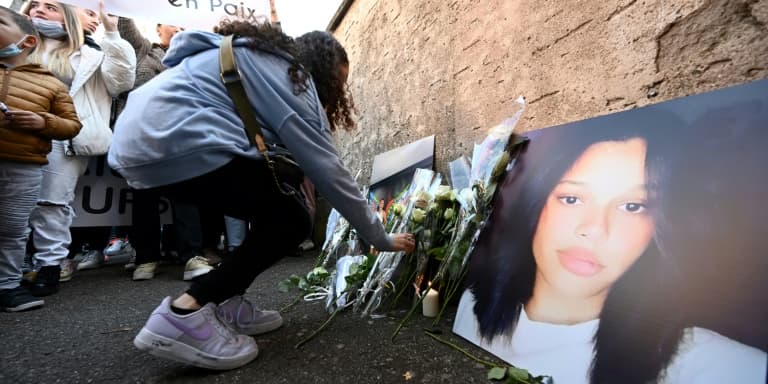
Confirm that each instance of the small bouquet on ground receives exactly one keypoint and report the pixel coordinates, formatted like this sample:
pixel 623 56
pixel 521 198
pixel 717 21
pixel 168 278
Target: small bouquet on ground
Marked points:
pixel 379 280
pixel 432 221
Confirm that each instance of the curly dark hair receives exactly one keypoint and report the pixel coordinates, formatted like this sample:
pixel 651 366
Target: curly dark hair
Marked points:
pixel 269 38
pixel 323 56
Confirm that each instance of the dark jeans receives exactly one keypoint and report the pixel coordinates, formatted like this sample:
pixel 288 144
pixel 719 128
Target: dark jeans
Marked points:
pixel 193 228
pixel 244 189
pixel 145 229
pixel 196 228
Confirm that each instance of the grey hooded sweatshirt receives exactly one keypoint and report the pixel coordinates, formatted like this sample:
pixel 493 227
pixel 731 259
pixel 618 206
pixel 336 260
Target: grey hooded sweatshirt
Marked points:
pixel 182 124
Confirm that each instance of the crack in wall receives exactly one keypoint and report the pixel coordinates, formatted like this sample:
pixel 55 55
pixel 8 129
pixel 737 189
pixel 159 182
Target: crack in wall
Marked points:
pixel 620 10
pixel 552 16
pixel 563 37
pixel 472 44
pixel 544 96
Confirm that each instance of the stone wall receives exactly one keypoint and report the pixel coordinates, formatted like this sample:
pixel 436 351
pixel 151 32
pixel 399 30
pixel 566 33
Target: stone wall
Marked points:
pixel 454 68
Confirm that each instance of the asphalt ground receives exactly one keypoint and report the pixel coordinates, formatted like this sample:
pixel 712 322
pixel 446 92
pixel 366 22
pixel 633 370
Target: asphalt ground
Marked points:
pixel 84 335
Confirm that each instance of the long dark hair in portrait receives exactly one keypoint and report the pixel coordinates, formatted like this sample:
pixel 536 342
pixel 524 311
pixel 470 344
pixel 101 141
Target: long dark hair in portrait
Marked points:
pixel 326 73
pixel 640 327
pixel 720 224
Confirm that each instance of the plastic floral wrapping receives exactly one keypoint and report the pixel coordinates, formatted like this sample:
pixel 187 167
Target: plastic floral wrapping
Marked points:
pixel 445 220
pixel 460 173
pixel 489 152
pixel 336 233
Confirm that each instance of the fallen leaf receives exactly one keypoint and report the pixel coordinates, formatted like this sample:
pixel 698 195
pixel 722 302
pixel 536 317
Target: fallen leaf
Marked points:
pixel 408 375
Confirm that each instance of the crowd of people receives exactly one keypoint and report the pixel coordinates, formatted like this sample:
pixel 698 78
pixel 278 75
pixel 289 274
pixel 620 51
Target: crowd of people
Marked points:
pixel 169 126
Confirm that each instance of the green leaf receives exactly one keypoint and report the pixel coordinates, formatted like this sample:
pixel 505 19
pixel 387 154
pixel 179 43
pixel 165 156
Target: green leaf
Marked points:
pixel 437 253
pixel 285 285
pixel 518 374
pixel 318 272
pixel 497 373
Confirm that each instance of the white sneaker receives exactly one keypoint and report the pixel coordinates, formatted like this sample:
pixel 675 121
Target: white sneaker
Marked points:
pixel 145 271
pixel 81 254
pixel 92 259
pixel 118 251
pixel 240 314
pixel 306 245
pixel 196 266
pixel 67 269
pixel 199 338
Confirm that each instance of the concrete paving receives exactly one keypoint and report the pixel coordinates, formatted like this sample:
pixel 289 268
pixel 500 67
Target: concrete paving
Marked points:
pixel 84 335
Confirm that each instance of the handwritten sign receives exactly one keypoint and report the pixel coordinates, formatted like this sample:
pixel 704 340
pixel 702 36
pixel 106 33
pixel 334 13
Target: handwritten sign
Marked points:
pixel 103 199
pixel 190 14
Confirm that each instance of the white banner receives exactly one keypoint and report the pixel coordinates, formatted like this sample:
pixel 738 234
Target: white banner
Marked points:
pixel 103 199
pixel 190 14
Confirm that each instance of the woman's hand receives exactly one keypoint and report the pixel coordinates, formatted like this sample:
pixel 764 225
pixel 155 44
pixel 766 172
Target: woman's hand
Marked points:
pixel 26 120
pixel 109 21
pixel 403 242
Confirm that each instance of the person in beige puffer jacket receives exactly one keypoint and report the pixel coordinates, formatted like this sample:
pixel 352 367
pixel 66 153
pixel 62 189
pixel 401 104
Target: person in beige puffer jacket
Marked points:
pixel 37 108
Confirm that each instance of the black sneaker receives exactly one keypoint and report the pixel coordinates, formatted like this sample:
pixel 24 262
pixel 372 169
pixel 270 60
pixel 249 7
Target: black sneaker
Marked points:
pixel 18 299
pixel 47 281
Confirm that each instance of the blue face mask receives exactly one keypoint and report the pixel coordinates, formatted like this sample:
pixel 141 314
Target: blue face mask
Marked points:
pixel 11 50
pixel 51 29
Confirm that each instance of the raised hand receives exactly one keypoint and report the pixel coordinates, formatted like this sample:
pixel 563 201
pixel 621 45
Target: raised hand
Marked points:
pixel 109 21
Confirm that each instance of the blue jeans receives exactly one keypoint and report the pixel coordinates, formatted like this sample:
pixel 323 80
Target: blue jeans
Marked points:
pixel 236 230
pixel 19 189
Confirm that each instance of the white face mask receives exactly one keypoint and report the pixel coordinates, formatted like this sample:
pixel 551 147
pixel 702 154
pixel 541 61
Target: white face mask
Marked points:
pixel 51 29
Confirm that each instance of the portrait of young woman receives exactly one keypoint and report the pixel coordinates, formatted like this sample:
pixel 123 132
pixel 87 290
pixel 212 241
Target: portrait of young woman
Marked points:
pixel 615 254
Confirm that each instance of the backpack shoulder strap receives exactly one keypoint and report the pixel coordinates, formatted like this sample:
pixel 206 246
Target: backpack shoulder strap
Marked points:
pixel 230 76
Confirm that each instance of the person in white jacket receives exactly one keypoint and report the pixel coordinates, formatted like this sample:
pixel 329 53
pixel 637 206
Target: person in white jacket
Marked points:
pixel 94 76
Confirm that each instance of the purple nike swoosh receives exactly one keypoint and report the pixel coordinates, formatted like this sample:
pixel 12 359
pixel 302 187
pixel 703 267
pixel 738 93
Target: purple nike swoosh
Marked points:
pixel 201 334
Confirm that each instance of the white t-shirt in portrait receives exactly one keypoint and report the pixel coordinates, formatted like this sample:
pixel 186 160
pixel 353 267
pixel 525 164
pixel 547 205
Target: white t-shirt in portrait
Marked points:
pixel 565 352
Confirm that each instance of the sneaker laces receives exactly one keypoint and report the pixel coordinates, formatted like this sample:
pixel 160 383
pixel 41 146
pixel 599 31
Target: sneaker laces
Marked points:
pixel 221 325
pixel 228 316
pixel 199 259
pixel 146 267
pixel 89 256
pixel 243 306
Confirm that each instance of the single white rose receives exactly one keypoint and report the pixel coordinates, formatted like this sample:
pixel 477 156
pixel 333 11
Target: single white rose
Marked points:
pixel 421 199
pixel 418 215
pixel 444 192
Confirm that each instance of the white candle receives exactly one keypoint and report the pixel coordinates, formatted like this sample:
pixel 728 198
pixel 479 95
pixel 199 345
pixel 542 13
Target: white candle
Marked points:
pixel 430 305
